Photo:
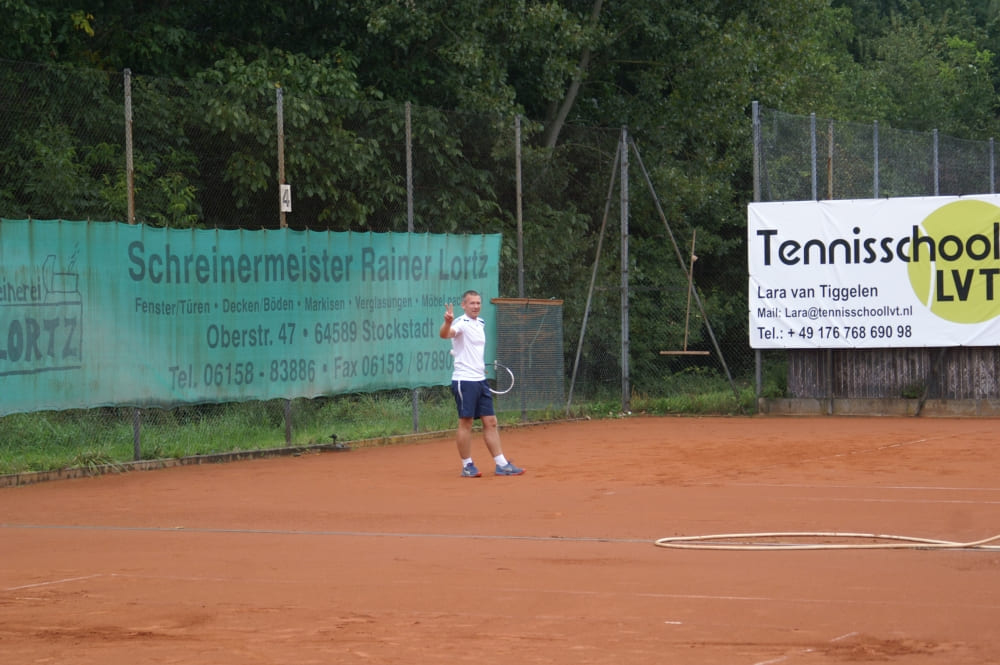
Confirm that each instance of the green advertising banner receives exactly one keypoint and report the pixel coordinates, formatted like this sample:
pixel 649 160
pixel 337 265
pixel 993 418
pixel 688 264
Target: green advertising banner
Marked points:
pixel 104 313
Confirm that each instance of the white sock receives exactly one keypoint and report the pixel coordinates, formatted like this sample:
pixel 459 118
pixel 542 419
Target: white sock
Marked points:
pixel 500 460
pixel 466 462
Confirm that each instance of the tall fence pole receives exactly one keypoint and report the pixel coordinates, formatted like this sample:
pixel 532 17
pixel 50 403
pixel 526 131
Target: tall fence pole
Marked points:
pixel 129 160
pixel 130 214
pixel 829 196
pixel 829 161
pixel 408 122
pixel 758 366
pixel 279 105
pixel 875 159
pixel 812 155
pixel 626 386
pixel 937 178
pixel 279 101
pixel 755 119
pixel 520 205
pixel 993 180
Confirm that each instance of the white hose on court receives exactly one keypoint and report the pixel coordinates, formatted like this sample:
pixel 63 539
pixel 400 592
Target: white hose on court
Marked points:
pixel 750 542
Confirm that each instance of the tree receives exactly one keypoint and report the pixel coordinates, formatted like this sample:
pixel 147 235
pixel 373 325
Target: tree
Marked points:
pixel 928 76
pixel 680 75
pixel 45 32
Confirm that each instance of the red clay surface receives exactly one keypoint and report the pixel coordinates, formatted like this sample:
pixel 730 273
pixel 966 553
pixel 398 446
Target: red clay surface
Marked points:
pixel 386 555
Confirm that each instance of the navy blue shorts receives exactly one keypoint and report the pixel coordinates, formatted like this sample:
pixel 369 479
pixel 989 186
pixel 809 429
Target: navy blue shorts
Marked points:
pixel 473 398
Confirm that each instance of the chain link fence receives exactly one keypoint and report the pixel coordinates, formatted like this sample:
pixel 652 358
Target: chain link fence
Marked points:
pixel 802 158
pixel 107 146
pixel 799 158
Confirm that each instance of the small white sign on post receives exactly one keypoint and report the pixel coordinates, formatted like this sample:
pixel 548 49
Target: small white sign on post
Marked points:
pixel 286 198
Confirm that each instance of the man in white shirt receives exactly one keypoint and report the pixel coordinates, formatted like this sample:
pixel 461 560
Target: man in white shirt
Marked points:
pixel 468 384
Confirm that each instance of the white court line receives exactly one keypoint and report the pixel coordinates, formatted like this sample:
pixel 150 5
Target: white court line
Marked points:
pixel 874 488
pixel 54 582
pixel 813 486
pixel 336 534
pixel 843 602
pixel 846 602
pixel 561 592
pixel 849 500
pixel 782 659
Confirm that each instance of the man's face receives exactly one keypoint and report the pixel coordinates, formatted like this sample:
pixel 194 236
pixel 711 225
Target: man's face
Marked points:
pixel 472 305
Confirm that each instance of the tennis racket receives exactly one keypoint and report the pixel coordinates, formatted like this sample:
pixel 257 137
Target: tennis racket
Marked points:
pixel 503 379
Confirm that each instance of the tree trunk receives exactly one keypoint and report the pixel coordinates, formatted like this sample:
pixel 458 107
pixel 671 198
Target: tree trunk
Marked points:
pixel 552 131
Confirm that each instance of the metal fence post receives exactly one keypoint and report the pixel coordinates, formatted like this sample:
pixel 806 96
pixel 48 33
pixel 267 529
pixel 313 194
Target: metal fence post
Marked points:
pixel 829 161
pixel 812 153
pixel 408 122
pixel 519 204
pixel 129 163
pixel 626 387
pixel 875 159
pixel 279 102
pixel 130 214
pixel 937 180
pixel 137 434
pixel 829 196
pixel 520 214
pixel 282 219
pixel 993 180
pixel 288 422
pixel 758 369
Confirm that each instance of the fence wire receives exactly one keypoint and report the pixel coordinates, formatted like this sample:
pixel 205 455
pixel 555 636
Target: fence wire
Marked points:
pixel 808 158
pixel 205 153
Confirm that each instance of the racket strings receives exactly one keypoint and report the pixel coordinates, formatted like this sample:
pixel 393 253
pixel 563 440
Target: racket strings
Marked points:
pixel 503 382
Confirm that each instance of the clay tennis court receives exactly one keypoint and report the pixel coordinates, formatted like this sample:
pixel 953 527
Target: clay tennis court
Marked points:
pixel 385 555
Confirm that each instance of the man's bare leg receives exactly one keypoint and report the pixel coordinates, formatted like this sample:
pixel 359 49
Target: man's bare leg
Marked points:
pixel 463 437
pixel 491 435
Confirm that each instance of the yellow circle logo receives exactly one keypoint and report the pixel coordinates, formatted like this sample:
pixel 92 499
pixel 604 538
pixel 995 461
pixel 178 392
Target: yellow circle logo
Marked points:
pixel 954 266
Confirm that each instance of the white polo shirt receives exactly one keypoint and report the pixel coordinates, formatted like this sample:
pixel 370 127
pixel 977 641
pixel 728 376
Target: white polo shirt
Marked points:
pixel 468 347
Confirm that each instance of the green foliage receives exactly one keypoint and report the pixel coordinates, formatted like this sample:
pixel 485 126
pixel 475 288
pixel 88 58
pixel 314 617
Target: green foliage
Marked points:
pixel 102 439
pixel 35 32
pixel 925 65
pixel 679 75
pixel 774 383
pixel 59 177
pixel 722 401
pixel 56 147
pixel 933 79
pixel 238 110
pixel 488 58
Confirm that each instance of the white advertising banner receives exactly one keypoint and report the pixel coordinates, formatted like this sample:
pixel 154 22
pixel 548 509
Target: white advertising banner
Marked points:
pixel 905 272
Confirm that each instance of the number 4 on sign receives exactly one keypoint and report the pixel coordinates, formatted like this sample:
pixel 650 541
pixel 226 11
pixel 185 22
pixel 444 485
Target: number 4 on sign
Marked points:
pixel 286 198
